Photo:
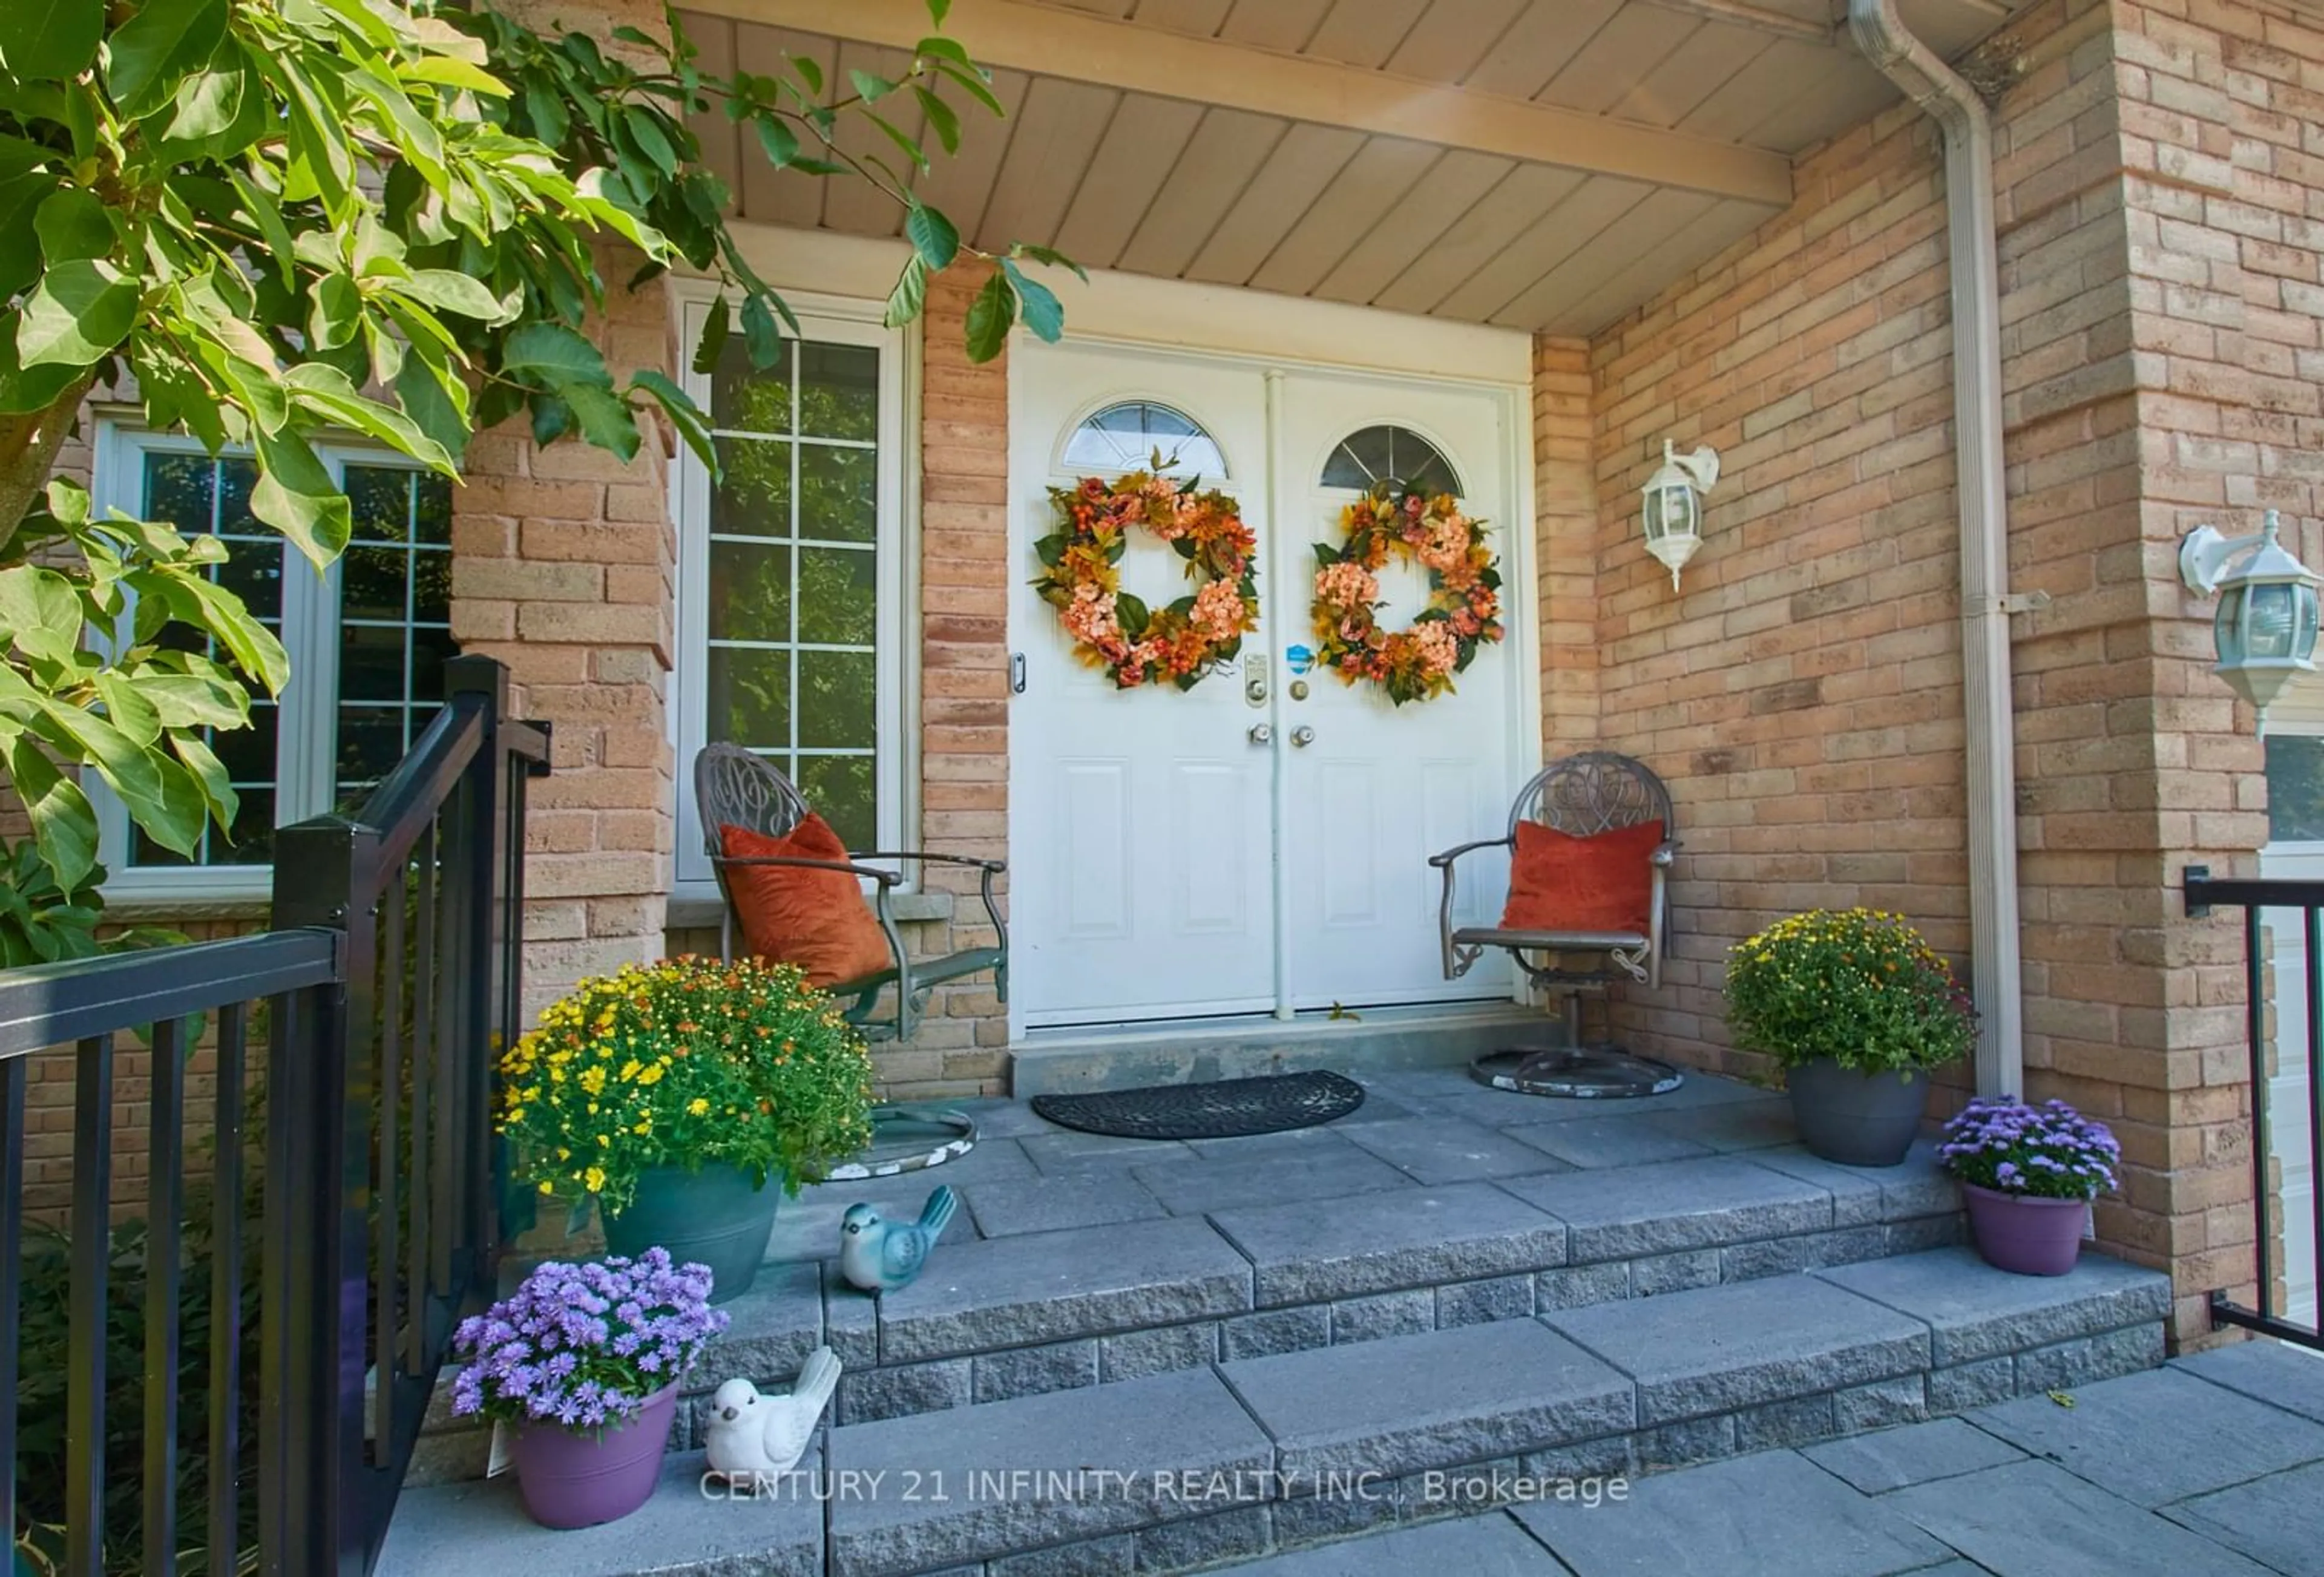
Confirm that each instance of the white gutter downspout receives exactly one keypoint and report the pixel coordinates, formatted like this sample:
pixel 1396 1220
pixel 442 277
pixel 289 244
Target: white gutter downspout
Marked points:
pixel 1997 978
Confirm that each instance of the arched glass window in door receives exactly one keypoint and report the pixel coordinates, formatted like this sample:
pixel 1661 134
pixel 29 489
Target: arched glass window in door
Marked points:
pixel 1390 454
pixel 1126 437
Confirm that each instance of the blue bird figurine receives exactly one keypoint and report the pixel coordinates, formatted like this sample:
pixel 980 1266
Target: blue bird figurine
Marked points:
pixel 877 1255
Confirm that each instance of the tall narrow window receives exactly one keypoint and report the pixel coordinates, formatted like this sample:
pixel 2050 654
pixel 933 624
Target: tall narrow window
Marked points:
pixel 1390 454
pixel 368 641
pixel 791 575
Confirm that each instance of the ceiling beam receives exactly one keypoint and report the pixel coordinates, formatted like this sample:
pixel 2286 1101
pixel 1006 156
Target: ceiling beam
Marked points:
pixel 1080 47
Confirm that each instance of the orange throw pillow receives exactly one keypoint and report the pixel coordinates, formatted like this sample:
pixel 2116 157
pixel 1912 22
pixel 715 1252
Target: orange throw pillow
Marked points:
pixel 1559 882
pixel 792 914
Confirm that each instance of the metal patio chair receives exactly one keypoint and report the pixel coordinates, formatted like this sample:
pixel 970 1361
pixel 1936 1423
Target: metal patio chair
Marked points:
pixel 1581 795
pixel 734 788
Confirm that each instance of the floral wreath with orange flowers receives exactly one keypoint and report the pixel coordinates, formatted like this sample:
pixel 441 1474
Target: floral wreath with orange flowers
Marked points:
pixel 1115 631
pixel 1464 601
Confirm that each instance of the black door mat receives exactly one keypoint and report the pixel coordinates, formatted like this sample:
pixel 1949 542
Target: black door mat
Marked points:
pixel 1590 1074
pixel 1227 1109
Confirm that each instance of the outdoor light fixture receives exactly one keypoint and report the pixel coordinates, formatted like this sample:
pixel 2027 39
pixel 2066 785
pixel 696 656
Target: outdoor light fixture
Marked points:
pixel 1673 510
pixel 2266 624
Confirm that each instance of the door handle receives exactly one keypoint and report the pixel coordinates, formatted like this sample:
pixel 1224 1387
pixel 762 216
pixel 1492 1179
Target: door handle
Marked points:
pixel 1303 736
pixel 1262 734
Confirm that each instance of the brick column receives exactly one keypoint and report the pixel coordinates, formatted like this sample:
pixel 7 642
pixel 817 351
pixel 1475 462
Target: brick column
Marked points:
pixel 1565 550
pixel 964 688
pixel 562 568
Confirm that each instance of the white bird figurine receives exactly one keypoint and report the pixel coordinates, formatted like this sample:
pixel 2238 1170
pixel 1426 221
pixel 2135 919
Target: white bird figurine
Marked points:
pixel 751 1433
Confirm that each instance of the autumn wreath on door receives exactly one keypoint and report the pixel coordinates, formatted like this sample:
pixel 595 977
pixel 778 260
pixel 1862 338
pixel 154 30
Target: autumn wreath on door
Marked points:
pixel 1113 630
pixel 1464 603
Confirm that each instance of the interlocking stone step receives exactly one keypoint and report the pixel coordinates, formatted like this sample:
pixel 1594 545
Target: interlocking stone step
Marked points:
pixel 1022 1312
pixel 1229 1460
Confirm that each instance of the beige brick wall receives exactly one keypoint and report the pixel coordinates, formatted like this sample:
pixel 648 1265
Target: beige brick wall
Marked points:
pixel 1802 694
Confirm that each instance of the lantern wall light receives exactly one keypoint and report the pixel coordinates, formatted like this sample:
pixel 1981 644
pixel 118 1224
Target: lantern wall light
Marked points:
pixel 2265 628
pixel 1673 504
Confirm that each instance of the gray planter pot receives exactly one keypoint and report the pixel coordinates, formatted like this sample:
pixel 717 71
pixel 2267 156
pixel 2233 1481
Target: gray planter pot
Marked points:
pixel 1857 1118
pixel 712 1215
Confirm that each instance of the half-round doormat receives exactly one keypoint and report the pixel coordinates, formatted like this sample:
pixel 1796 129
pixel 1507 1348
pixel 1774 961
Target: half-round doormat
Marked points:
pixel 1595 1073
pixel 907 1138
pixel 1228 1109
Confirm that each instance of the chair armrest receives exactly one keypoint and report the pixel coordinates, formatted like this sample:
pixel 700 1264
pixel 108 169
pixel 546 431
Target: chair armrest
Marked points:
pixel 1443 862
pixel 993 865
pixel 1663 854
pixel 884 877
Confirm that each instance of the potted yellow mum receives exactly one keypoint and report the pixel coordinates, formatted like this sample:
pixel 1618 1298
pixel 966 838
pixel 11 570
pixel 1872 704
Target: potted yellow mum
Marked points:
pixel 670 1095
pixel 1858 1006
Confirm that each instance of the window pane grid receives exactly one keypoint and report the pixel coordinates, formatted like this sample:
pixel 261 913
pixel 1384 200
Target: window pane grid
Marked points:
pixel 394 587
pixel 790 665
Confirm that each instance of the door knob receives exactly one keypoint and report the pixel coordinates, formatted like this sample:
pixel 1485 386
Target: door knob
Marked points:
pixel 1262 734
pixel 1303 736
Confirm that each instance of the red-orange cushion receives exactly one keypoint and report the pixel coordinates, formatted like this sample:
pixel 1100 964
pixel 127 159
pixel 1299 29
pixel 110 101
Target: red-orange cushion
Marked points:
pixel 791 914
pixel 1603 882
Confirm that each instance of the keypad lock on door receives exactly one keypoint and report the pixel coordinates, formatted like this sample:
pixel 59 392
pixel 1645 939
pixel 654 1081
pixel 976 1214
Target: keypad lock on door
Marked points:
pixel 1254 678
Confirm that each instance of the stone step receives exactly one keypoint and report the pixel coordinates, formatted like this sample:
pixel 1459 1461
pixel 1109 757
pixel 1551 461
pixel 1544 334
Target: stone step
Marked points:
pixel 1229 1460
pixel 1068 1062
pixel 1005 1316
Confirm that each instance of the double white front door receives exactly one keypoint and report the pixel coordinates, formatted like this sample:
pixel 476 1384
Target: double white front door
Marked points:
pixel 1258 844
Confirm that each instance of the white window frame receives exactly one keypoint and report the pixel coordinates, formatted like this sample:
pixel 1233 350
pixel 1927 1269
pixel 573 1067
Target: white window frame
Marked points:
pixel 836 320
pixel 306 779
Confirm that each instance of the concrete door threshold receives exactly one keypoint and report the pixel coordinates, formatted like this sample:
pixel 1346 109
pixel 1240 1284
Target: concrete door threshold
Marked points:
pixel 1196 1051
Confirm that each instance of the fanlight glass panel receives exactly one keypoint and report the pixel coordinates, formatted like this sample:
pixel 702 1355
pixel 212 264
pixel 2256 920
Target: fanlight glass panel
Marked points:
pixel 1390 454
pixel 1127 435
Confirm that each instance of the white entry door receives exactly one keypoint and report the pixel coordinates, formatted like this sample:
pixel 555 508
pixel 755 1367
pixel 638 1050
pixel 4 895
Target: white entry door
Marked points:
pixel 2294 851
pixel 1374 788
pixel 1258 843
pixel 1140 850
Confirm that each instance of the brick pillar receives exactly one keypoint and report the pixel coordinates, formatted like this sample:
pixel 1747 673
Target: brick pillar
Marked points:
pixel 1565 551
pixel 563 565
pixel 964 704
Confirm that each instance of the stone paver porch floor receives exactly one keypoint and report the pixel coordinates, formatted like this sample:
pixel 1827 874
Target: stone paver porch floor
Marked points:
pixel 2211 1465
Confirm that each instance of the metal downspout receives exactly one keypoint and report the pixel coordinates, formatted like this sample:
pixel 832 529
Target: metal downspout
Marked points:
pixel 1997 976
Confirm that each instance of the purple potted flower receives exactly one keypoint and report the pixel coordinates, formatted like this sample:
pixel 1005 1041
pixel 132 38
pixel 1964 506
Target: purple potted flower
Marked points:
pixel 583 1363
pixel 2029 1174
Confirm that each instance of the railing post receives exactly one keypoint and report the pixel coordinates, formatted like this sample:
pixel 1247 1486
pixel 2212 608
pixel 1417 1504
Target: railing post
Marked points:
pixel 314 1309
pixel 486 948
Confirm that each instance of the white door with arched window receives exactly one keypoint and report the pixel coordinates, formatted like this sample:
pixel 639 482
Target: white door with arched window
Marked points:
pixel 1257 843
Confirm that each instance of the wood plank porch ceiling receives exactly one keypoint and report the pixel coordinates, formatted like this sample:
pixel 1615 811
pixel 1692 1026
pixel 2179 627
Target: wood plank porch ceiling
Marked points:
pixel 1538 165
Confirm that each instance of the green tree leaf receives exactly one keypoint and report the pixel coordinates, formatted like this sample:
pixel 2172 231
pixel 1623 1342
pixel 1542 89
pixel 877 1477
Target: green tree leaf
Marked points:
pixel 692 427
pixel 79 310
pixel 71 224
pixel 297 495
pixel 165 39
pixel 910 294
pixel 776 138
pixel 716 327
pixel 990 316
pixel 449 291
pixel 50 40
pixel 1042 313
pixel 761 337
pixel 871 85
pixel 933 234
pixel 64 823
pixel 20 198
pixel 941 118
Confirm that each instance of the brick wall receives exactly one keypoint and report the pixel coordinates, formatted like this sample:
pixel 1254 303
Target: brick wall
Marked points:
pixel 1803 692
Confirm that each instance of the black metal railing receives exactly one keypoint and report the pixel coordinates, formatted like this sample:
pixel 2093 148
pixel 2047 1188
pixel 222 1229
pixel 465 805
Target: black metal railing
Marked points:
pixel 381 995
pixel 2255 897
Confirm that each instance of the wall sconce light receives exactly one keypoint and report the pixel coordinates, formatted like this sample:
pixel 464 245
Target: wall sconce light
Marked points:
pixel 2265 628
pixel 1674 507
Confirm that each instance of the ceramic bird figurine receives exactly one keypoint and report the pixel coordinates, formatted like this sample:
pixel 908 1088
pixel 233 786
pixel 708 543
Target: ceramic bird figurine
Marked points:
pixel 877 1255
pixel 751 1433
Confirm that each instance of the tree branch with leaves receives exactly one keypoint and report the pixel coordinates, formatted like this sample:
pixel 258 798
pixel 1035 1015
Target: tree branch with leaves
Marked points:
pixel 270 221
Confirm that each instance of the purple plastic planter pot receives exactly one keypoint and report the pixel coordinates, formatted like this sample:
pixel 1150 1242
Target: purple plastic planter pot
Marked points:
pixel 2023 1235
pixel 578 1478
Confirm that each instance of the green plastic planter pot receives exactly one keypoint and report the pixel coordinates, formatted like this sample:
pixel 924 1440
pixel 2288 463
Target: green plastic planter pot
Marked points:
pixel 712 1215
pixel 1857 1118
